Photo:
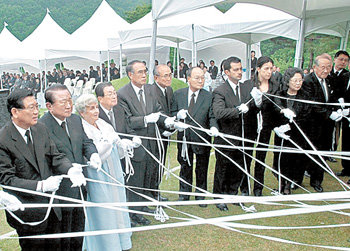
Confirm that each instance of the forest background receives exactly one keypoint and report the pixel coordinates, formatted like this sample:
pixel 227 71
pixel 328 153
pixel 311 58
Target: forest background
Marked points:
pixel 23 16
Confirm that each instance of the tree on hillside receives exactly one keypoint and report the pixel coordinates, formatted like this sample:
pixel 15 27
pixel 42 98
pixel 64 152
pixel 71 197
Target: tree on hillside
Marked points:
pixel 139 12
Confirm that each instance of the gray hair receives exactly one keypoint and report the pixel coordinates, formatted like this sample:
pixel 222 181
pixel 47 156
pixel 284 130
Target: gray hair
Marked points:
pixel 322 56
pixel 83 101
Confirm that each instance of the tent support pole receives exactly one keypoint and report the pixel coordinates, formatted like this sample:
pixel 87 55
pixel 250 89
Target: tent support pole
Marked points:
pixel 153 51
pixel 121 60
pixel 45 78
pixel 345 42
pixel 248 71
pixel 108 67
pixel 178 58
pixel 300 42
pixel 193 48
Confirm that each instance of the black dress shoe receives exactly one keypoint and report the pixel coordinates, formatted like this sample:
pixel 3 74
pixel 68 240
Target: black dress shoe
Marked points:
pixel 141 220
pixel 348 182
pixel 331 159
pixel 318 188
pixel 133 223
pixel 244 193
pixel 222 207
pixel 181 198
pixel 203 205
pixel 161 198
pixel 148 210
pixel 342 173
pixel 258 192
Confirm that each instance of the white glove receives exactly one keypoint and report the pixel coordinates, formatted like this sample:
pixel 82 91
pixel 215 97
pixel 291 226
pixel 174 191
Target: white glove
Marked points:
pixel 289 114
pixel 336 116
pixel 95 161
pixel 152 118
pixel 243 108
pixel 346 112
pixel 341 101
pixel 75 174
pixel 182 114
pixel 167 134
pixel 169 122
pixel 126 144
pixel 280 131
pixel 257 96
pixel 214 132
pixel 10 202
pixel 180 126
pixel 136 140
pixel 51 184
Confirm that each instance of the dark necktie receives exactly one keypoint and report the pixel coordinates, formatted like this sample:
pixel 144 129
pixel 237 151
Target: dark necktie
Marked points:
pixel 143 105
pixel 63 125
pixel 237 92
pixel 111 118
pixel 191 106
pixel 337 73
pixel 166 98
pixel 30 143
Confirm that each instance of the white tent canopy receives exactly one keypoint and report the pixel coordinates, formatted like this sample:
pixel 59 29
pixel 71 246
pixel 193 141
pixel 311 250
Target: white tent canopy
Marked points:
pixel 93 34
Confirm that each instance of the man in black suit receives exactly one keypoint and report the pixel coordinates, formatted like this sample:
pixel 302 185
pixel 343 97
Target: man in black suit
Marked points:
pixel 142 112
pixel 163 93
pixel 322 117
pixel 230 109
pixel 109 108
pixel 29 159
pixel 213 70
pixel 93 73
pixel 253 62
pixel 276 75
pixel 337 81
pixel 198 102
pixel 66 130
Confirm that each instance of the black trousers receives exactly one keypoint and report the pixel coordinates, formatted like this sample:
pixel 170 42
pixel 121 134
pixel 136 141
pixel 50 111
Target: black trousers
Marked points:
pixel 228 177
pixel 345 145
pixel 248 161
pixel 73 220
pixel 186 171
pixel 259 170
pixel 53 226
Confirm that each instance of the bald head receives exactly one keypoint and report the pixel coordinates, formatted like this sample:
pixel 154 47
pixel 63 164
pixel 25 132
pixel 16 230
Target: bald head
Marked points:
pixel 162 75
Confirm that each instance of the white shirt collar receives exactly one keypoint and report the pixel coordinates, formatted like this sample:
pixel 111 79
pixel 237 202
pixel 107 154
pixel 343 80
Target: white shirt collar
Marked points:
pixel 319 79
pixel 161 88
pixel 336 70
pixel 233 85
pixel 104 109
pixel 137 89
pixel 58 120
pixel 190 95
pixel 22 131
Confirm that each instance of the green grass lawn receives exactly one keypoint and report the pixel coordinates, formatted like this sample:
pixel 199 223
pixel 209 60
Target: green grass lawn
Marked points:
pixel 208 237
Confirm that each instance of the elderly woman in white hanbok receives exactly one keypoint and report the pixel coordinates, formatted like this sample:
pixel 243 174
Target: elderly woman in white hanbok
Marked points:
pixel 110 148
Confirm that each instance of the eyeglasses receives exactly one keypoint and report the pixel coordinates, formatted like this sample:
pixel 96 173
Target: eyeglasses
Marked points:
pixel 141 72
pixel 110 94
pixel 166 76
pixel 294 81
pixel 31 108
pixel 199 78
pixel 65 102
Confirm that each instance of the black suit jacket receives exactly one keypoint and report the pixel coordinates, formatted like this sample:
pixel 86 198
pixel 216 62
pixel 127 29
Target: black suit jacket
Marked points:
pixel 213 70
pixel 338 83
pixel 119 118
pixel 202 113
pixel 314 92
pixel 19 168
pixel 134 116
pixel 225 104
pixel 164 103
pixel 76 147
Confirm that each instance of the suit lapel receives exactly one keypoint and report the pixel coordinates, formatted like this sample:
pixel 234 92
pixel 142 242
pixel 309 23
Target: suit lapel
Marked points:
pixel 57 130
pixel 161 96
pixel 199 102
pixel 103 115
pixel 149 100
pixel 135 99
pixel 73 134
pixel 39 149
pixel 232 97
pixel 22 147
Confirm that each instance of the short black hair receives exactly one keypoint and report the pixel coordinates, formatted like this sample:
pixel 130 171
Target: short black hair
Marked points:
pixel 228 61
pixel 49 92
pixel 341 53
pixel 15 99
pixel 211 61
pixel 253 51
pixel 99 90
pixel 130 66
